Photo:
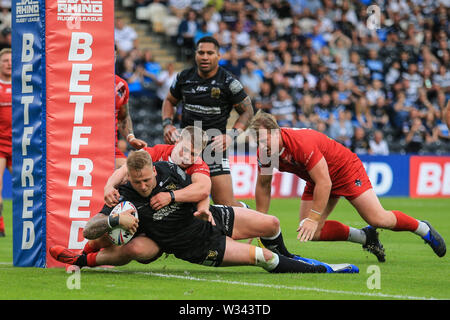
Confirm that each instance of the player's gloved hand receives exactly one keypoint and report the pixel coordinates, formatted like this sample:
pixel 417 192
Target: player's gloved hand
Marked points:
pixel 128 222
pixel 205 214
pixel 306 229
pixel 171 134
pixel 111 196
pixel 160 200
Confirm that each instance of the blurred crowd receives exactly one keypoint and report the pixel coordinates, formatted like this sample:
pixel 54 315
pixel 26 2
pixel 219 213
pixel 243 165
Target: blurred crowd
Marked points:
pixel 373 75
pixel 5 24
pixel 365 75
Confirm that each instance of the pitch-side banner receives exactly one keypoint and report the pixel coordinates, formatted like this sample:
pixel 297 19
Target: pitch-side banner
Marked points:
pixel 430 177
pixel 63 121
pixel 80 115
pixel 389 176
pixel 244 171
pixel 28 133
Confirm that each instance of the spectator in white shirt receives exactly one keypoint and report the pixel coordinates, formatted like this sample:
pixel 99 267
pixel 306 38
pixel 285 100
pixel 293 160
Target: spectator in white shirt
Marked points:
pixel 378 146
pixel 165 80
pixel 125 36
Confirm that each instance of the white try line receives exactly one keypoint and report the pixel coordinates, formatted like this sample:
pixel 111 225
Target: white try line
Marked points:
pixel 274 286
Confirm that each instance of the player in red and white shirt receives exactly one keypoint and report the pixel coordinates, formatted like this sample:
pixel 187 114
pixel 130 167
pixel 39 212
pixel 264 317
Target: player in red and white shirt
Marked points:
pixel 123 120
pixel 5 123
pixel 330 171
pixel 182 154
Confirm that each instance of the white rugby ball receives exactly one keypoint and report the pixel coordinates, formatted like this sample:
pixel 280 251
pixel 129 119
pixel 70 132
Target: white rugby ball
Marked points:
pixel 118 235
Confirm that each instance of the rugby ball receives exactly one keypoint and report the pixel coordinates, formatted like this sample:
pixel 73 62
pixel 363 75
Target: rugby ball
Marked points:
pixel 118 235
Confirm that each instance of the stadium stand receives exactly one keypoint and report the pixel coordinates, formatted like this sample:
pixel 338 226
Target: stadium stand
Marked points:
pixel 319 63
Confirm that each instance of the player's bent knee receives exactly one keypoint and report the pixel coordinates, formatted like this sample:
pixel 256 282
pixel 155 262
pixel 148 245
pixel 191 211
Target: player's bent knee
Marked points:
pixel 273 223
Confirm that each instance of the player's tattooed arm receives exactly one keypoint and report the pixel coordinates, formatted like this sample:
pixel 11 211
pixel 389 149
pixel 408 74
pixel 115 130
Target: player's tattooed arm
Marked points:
pixel 245 111
pixel 125 122
pixel 96 227
pixel 125 126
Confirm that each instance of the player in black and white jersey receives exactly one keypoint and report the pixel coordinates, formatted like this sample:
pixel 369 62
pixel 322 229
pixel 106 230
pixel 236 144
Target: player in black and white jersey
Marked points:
pixel 208 93
pixel 198 233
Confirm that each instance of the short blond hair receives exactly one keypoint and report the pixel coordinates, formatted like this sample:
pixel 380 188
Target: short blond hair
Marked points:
pixel 263 120
pixel 198 137
pixel 138 160
pixel 5 51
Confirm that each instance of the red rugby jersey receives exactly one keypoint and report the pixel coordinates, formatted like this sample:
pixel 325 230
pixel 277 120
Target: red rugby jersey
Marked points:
pixel 5 113
pixel 303 148
pixel 122 96
pixel 162 152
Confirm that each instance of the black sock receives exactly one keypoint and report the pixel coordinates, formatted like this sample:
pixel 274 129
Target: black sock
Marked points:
pixel 288 265
pixel 81 261
pixel 276 245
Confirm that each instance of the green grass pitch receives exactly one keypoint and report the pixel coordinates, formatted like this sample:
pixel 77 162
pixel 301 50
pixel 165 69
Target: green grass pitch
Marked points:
pixel 411 270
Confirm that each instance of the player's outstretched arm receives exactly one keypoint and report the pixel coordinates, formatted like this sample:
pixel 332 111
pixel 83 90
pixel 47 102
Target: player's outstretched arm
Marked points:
pixel 101 223
pixel 203 211
pixel 321 177
pixel 263 191
pixel 96 226
pixel 110 193
pixel 170 132
pixel 125 127
pixel 198 190
pixel 245 111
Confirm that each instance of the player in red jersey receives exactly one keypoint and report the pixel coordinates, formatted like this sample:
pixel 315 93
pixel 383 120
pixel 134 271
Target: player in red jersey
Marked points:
pixel 330 171
pixel 123 120
pixel 5 124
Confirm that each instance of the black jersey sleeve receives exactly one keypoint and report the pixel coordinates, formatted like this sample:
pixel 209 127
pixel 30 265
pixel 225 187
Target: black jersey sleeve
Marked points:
pixel 175 88
pixel 236 92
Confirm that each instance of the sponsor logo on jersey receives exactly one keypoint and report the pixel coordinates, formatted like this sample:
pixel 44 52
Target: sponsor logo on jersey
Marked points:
pixel 215 93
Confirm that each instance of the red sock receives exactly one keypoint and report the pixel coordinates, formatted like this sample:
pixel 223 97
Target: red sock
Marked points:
pixel 91 259
pixel 2 224
pixel 90 247
pixel 334 231
pixel 405 222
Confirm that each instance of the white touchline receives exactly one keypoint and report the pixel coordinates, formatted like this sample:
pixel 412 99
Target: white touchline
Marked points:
pixel 294 288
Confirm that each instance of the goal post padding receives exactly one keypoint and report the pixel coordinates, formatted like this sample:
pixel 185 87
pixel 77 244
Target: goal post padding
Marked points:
pixel 63 122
